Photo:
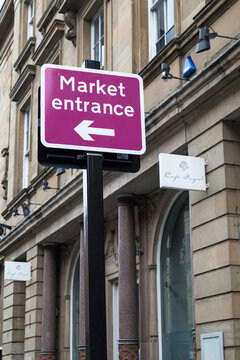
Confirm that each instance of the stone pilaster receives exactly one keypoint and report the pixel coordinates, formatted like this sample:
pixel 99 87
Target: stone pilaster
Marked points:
pixel 48 349
pixel 13 320
pixel 128 321
pixel 33 312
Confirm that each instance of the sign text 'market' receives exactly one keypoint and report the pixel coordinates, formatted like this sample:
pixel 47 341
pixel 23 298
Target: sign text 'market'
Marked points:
pixel 92 87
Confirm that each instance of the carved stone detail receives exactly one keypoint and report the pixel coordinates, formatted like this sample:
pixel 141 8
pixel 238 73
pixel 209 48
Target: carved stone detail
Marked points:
pixel 110 248
pixel 70 20
pixel 4 180
pixel 111 240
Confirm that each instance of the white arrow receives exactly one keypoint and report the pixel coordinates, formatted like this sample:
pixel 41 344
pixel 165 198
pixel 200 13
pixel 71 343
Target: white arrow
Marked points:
pixel 83 129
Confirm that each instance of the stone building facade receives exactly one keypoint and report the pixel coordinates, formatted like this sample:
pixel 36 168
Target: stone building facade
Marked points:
pixel 172 258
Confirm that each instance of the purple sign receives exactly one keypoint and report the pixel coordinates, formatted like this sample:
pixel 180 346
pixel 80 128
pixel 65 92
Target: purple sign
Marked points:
pixel 85 109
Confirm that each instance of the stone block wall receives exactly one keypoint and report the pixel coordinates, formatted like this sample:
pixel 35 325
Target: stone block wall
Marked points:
pixel 215 237
pixel 13 320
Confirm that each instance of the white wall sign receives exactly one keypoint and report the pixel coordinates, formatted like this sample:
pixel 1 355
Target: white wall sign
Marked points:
pixel 14 270
pixel 212 346
pixel 182 172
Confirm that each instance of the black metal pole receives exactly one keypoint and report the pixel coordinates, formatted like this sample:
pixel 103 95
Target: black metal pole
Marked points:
pixel 96 345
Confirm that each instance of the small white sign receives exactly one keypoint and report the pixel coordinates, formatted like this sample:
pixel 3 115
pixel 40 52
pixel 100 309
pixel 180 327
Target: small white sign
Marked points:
pixel 212 346
pixel 182 172
pixel 20 271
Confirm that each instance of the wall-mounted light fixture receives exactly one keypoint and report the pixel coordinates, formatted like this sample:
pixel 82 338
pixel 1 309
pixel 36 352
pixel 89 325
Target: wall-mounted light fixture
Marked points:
pixel 60 171
pixel 205 36
pixel 165 72
pixel 15 211
pixel 46 187
pixel 25 208
pixel 4 226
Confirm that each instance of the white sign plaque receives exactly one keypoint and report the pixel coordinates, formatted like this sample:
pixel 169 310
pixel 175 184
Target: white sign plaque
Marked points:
pixel 20 271
pixel 182 172
pixel 212 346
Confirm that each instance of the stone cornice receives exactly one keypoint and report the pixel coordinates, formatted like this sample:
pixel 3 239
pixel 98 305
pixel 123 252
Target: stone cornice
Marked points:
pixel 66 197
pixel 25 53
pixel 47 16
pixel 212 11
pixel 67 5
pixel 49 41
pixel 26 193
pixel 23 82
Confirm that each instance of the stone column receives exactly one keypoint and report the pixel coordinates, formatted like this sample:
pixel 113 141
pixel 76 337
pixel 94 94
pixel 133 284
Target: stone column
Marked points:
pixel 48 349
pixel 82 332
pixel 128 321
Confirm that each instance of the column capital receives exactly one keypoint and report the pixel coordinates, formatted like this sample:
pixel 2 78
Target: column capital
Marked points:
pixel 48 355
pixel 125 199
pixel 49 244
pixel 128 341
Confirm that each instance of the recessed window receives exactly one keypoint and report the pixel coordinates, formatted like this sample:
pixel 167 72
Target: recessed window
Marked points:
pixel 115 307
pixel 97 38
pixel 30 19
pixel 177 323
pixel 161 24
pixel 26 148
pixel 75 311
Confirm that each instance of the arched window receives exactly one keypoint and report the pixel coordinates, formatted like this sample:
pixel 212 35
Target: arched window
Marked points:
pixel 176 284
pixel 75 311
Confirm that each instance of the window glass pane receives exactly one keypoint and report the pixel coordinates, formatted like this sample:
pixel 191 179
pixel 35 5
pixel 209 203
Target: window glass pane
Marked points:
pixel 26 131
pixel 31 11
pixel 170 14
pixel 160 20
pixel 96 31
pixel 96 53
pixel 170 35
pixel 160 44
pixel 102 53
pixel 176 284
pixel 97 37
pixel 30 20
pixel 102 25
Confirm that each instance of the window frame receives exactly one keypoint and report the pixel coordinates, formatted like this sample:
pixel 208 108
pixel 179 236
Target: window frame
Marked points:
pixel 99 17
pixel 26 146
pixel 168 16
pixel 30 17
pixel 171 205
pixel 74 322
pixel 115 318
